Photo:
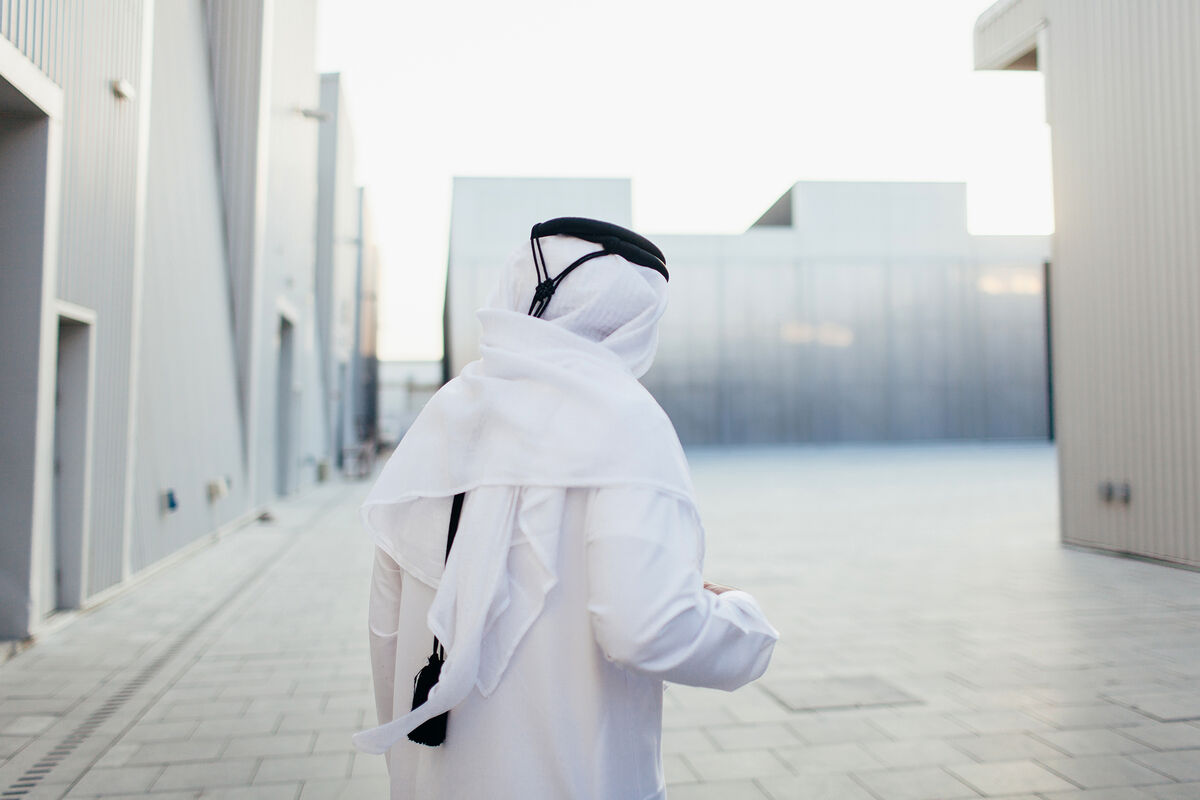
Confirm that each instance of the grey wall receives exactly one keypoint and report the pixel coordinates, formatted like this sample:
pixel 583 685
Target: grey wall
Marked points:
pixel 853 311
pixel 189 431
pixel 98 250
pixel 179 231
pixel 39 30
pixel 338 254
pixel 25 144
pixel 1123 102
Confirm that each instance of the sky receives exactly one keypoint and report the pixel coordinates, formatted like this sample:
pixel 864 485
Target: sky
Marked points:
pixel 712 109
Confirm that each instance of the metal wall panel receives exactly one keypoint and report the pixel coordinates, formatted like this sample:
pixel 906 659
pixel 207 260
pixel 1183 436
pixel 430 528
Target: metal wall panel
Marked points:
pixel 872 316
pixel 97 244
pixel 338 246
pixel 1008 30
pixel 1123 92
pixel 235 36
pixel 39 29
pixel 287 280
pixel 189 429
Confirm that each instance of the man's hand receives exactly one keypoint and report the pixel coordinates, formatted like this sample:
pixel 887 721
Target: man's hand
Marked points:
pixel 717 588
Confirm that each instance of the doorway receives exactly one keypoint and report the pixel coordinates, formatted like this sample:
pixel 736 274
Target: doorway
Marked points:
pixel 284 407
pixel 65 562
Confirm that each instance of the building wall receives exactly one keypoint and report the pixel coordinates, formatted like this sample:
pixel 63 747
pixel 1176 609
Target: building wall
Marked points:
pixel 289 257
pixel 853 311
pixel 1123 93
pixel 98 244
pixel 337 255
pixel 39 29
pixel 179 230
pixel 1123 103
pixel 871 316
pixel 188 370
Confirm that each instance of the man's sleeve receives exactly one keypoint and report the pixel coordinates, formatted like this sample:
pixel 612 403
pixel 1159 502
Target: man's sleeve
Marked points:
pixel 649 609
pixel 383 620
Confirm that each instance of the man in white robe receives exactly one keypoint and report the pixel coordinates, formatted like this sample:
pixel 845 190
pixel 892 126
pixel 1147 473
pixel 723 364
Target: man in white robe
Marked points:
pixel 573 589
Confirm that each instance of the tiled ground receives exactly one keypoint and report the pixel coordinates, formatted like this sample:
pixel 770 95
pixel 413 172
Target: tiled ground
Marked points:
pixel 937 643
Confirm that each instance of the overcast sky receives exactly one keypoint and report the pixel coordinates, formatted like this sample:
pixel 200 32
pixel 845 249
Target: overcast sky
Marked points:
pixel 713 110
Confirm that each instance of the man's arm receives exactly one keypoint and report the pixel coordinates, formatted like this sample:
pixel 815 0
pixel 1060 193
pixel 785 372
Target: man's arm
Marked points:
pixel 383 620
pixel 647 599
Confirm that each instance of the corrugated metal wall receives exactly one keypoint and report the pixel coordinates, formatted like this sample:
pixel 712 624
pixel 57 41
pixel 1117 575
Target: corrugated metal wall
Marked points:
pixel 235 36
pixel 1123 92
pixel 39 30
pixel 289 251
pixel 864 311
pixel 189 429
pixel 103 42
pixel 1006 30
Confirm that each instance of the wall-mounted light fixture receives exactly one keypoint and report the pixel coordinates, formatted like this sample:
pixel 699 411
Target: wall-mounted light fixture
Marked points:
pixel 123 89
pixel 217 488
pixel 315 113
pixel 1111 492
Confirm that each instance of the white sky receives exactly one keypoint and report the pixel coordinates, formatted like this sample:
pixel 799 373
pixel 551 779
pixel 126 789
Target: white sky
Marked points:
pixel 713 109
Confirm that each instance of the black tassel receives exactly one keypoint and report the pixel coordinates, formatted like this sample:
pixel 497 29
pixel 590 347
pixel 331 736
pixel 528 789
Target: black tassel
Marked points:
pixel 431 732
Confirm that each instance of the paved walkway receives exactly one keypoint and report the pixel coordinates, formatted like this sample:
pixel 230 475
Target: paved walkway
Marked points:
pixel 938 643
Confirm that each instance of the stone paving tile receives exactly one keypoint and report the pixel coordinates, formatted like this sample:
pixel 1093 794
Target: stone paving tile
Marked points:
pixel 207 774
pixel 175 752
pixel 916 753
pixel 931 580
pixel 1165 707
pixel 1177 791
pixel 925 783
pixel 1165 735
pixel 1008 777
pixel 844 758
pixel 1182 765
pixel 921 726
pixel 1006 721
pixel 736 765
pixel 1004 747
pixel 722 790
pixel 1117 793
pixel 281 744
pixel 811 787
pixel 752 737
pixel 279 791
pixel 677 769
pixel 344 789
pixel 1091 742
pixel 1097 772
pixel 688 741
pixel 117 780
pixel 1088 716
pixel 287 768
pixel 835 731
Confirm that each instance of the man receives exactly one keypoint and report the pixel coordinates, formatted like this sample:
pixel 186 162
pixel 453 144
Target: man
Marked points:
pixel 573 585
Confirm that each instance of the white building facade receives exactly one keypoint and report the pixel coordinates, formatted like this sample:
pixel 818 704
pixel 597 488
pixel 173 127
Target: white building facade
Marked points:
pixel 848 312
pixel 159 168
pixel 1123 103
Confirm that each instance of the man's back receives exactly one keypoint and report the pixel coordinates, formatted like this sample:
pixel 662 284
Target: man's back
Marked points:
pixel 578 713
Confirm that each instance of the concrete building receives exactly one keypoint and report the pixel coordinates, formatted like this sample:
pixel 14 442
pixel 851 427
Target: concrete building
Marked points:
pixel 162 374
pixel 1123 103
pixel 347 277
pixel 404 388
pixel 848 312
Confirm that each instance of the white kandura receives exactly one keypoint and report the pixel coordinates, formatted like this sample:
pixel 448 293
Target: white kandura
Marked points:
pixel 574 579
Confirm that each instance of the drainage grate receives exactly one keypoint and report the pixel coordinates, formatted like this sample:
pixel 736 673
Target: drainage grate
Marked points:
pixel 32 776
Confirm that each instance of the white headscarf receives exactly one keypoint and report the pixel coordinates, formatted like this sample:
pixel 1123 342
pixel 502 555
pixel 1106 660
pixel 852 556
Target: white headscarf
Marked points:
pixel 552 403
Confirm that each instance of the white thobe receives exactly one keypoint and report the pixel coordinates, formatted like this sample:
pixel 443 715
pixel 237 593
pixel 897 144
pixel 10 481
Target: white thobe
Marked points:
pixel 578 712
